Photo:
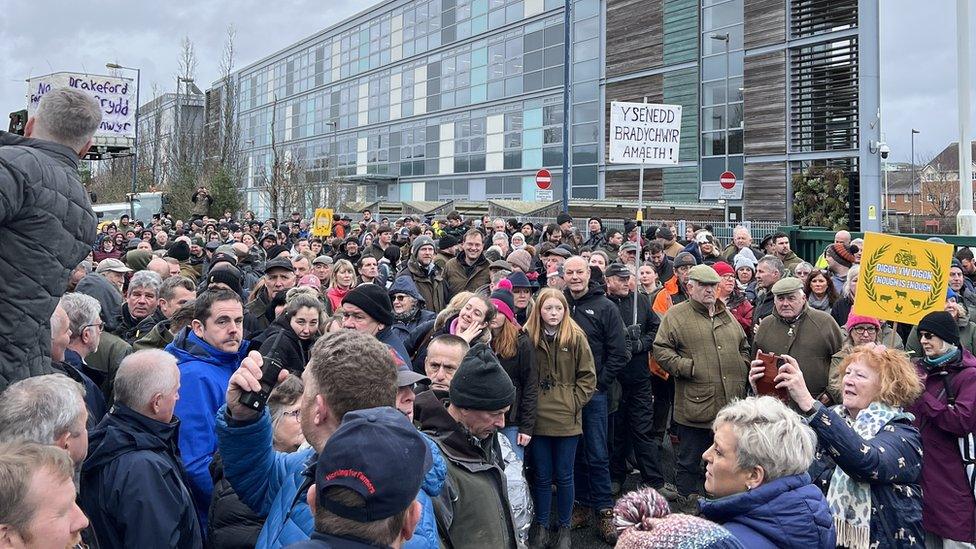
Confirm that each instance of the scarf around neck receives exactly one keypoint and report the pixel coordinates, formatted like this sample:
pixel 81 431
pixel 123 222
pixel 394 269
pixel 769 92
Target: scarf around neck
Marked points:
pixel 850 501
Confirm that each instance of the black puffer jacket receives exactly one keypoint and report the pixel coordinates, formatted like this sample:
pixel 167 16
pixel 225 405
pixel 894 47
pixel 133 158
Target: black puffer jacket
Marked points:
pixel 600 320
pixel 231 524
pixel 46 228
pixel 290 349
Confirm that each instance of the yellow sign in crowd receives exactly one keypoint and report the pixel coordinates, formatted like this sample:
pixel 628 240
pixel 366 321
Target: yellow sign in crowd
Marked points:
pixel 902 279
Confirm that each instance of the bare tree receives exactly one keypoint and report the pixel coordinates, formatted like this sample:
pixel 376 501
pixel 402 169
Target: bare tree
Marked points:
pixel 284 181
pixel 940 188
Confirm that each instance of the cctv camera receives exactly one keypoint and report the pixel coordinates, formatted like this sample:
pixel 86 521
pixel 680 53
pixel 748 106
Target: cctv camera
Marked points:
pixel 884 149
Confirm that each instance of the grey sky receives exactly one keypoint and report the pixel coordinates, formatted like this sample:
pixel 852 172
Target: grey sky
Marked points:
pixel 40 37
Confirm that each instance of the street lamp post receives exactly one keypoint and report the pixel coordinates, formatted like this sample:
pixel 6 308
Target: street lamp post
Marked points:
pixel 914 131
pixel 135 142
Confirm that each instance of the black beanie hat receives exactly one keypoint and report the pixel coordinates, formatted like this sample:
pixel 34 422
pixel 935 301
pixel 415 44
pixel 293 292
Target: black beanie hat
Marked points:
pixel 226 276
pixel 274 251
pixel 374 301
pixel 941 324
pixel 481 383
pixel 446 242
pixel 563 218
pixel 179 251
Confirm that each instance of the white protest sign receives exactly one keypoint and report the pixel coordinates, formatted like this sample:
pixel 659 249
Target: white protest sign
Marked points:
pixel 117 97
pixel 644 133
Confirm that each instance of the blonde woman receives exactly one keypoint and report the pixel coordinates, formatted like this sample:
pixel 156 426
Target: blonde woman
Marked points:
pixel 343 280
pixel 567 380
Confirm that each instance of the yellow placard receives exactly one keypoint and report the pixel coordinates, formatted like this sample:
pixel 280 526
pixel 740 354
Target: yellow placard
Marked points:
pixel 323 222
pixel 902 279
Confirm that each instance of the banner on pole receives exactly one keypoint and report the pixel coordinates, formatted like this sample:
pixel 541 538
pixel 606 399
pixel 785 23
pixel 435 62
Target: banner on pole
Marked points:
pixel 323 222
pixel 644 133
pixel 902 279
pixel 115 95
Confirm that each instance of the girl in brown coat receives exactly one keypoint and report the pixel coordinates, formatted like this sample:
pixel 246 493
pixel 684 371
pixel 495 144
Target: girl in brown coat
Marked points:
pixel 567 380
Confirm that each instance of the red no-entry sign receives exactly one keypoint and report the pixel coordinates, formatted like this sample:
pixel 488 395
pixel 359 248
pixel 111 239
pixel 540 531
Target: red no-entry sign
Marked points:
pixel 543 179
pixel 727 179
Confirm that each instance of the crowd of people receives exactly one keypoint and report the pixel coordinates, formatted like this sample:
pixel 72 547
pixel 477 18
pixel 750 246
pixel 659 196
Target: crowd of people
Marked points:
pixel 233 382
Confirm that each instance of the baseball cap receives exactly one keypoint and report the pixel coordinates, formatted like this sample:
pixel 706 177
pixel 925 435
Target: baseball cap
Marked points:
pixel 279 263
pixel 378 454
pixel 113 265
pixel 407 377
pixel 617 269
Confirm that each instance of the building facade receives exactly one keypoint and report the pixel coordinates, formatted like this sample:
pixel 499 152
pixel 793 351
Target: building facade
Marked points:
pixel 159 125
pixel 463 99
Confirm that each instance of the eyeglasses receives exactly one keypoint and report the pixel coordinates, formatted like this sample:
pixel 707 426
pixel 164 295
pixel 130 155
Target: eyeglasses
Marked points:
pixel 292 414
pixel 865 329
pixel 100 326
pixel 925 335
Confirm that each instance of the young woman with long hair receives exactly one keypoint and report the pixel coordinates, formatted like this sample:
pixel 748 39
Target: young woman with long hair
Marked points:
pixel 343 280
pixel 567 380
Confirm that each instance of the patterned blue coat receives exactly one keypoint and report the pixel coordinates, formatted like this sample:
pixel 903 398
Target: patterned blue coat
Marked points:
pixel 891 462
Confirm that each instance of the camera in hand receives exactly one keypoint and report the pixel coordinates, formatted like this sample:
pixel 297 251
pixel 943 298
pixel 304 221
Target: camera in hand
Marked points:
pixel 269 378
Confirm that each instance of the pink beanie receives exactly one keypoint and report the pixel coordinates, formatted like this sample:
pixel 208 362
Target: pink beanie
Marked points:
pixel 854 320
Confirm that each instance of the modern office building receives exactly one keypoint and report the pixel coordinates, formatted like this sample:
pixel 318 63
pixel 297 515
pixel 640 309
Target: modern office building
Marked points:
pixel 463 99
pixel 164 117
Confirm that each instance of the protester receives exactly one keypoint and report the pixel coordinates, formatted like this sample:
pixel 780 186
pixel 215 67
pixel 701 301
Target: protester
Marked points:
pixel 707 353
pixel 515 353
pixel 290 337
pixel 360 502
pixel 425 273
pixel 133 484
pixel 465 428
pixel 869 455
pixel 734 298
pixel 796 329
pixel 140 311
pixel 37 497
pixel 567 380
pixel 468 270
pixel 644 520
pixel 769 271
pixel 756 471
pixel 843 306
pixel 820 291
pixel 46 222
pixel 965 326
pixel 48 409
pixel 343 281
pixel 208 351
pixel 633 422
pixel 943 416
pixel 347 371
pixel 279 276
pixel 230 523
pixel 444 355
pixel 409 309
pixel 600 320
pixel 368 309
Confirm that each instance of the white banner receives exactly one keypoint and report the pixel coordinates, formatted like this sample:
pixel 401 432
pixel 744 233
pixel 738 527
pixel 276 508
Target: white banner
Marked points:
pixel 117 97
pixel 644 133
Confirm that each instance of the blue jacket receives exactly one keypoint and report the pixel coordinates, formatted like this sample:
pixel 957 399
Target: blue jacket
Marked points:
pixel 273 484
pixel 134 487
pixel 891 462
pixel 204 375
pixel 393 341
pixel 787 512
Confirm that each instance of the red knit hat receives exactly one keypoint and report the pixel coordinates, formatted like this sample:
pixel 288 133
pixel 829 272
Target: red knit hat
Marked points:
pixel 854 320
pixel 723 268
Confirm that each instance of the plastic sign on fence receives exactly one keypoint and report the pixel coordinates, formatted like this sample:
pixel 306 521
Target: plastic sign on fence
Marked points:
pixel 902 279
pixel 323 222
pixel 116 96
pixel 644 133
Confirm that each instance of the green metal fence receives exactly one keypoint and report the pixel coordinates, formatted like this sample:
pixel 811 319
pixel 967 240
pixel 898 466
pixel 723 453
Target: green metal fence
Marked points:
pixel 810 242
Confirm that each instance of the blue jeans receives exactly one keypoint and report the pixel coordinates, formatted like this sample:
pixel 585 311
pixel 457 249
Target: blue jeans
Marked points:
pixel 593 456
pixel 552 458
pixel 511 433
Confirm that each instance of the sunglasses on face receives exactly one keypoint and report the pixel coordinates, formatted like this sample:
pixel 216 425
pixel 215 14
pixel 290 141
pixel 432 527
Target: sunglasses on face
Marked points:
pixel 925 335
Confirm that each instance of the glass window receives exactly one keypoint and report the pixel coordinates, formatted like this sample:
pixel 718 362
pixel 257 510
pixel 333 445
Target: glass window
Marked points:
pixel 713 67
pixel 587 70
pixel 584 176
pixel 585 154
pixel 513 86
pixel 532 138
pixel 552 114
pixel 721 15
pixel 590 28
pixel 513 48
pixel 553 56
pixel 479 57
pixel 586 112
pixel 476 163
pixel 532 118
pixel 713 143
pixel 533 41
pixel 496 90
pixel 713 167
pixel 585 133
pixel 711 45
pixel 552 156
pixel 554 34
pixel 479 24
pixel 514 12
pixel 735 142
pixel 533 62
pixel 586 91
pixel 513 160
pixel 586 50
pixel 531 158
pixel 553 77
pixel 713 93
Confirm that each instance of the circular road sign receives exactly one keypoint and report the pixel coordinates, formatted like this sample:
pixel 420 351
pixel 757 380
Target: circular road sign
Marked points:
pixel 727 180
pixel 543 179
